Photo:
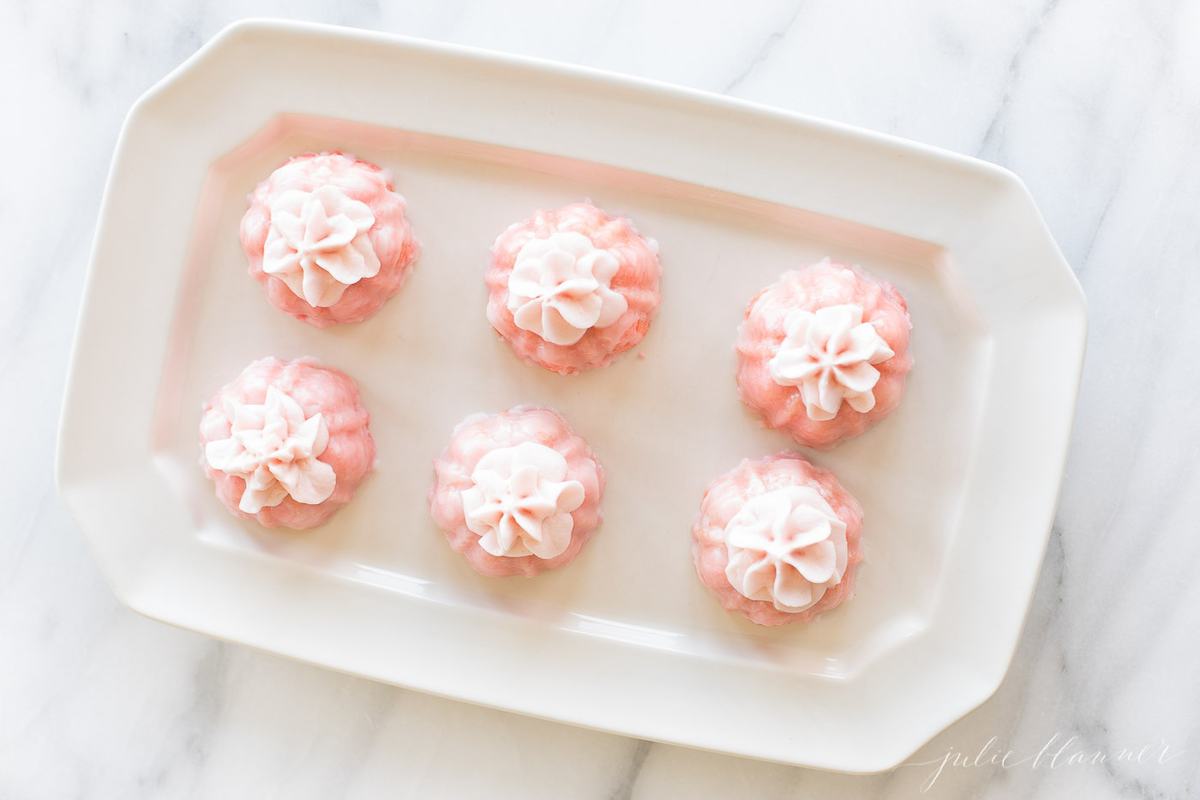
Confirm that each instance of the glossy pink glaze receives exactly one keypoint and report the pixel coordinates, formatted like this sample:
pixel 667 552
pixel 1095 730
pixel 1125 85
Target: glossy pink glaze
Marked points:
pixel 480 434
pixel 637 279
pixel 351 450
pixel 391 235
pixel 763 329
pixel 726 496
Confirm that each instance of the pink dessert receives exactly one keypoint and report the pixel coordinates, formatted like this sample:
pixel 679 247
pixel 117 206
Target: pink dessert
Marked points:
pixel 516 493
pixel 778 540
pixel 327 236
pixel 572 288
pixel 823 353
pixel 287 442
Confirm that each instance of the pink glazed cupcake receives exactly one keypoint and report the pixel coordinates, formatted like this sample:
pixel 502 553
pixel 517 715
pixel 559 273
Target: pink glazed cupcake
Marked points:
pixel 823 353
pixel 327 236
pixel 287 443
pixel 570 289
pixel 516 493
pixel 778 540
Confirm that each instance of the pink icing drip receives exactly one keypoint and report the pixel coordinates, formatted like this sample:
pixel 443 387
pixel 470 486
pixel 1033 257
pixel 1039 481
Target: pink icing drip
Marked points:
pixel 480 434
pixel 725 498
pixel 637 279
pixel 350 451
pixel 391 235
pixel 764 328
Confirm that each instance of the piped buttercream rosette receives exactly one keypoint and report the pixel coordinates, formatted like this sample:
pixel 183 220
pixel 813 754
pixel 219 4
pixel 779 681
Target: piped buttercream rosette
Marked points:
pixel 516 493
pixel 786 547
pixel 560 288
pixel 830 354
pixel 521 501
pixel 318 243
pixel 275 449
pixel 778 540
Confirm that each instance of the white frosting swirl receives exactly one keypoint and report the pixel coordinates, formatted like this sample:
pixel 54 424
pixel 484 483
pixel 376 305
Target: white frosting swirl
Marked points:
pixel 559 288
pixel 274 449
pixel 520 504
pixel 829 356
pixel 318 243
pixel 786 547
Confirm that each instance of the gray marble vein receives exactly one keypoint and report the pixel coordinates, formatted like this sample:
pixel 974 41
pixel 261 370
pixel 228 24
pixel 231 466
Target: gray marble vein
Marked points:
pixel 763 52
pixel 1095 105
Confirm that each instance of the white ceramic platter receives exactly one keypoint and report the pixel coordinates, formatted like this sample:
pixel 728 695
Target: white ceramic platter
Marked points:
pixel 958 485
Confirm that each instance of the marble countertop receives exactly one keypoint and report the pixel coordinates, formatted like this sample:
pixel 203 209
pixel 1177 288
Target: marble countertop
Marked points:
pixel 1095 105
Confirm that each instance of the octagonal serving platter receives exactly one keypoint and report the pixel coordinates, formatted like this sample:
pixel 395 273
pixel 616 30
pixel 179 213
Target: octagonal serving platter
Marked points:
pixel 958 486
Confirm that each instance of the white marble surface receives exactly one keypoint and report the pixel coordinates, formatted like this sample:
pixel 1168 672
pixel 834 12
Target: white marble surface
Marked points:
pixel 1095 104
